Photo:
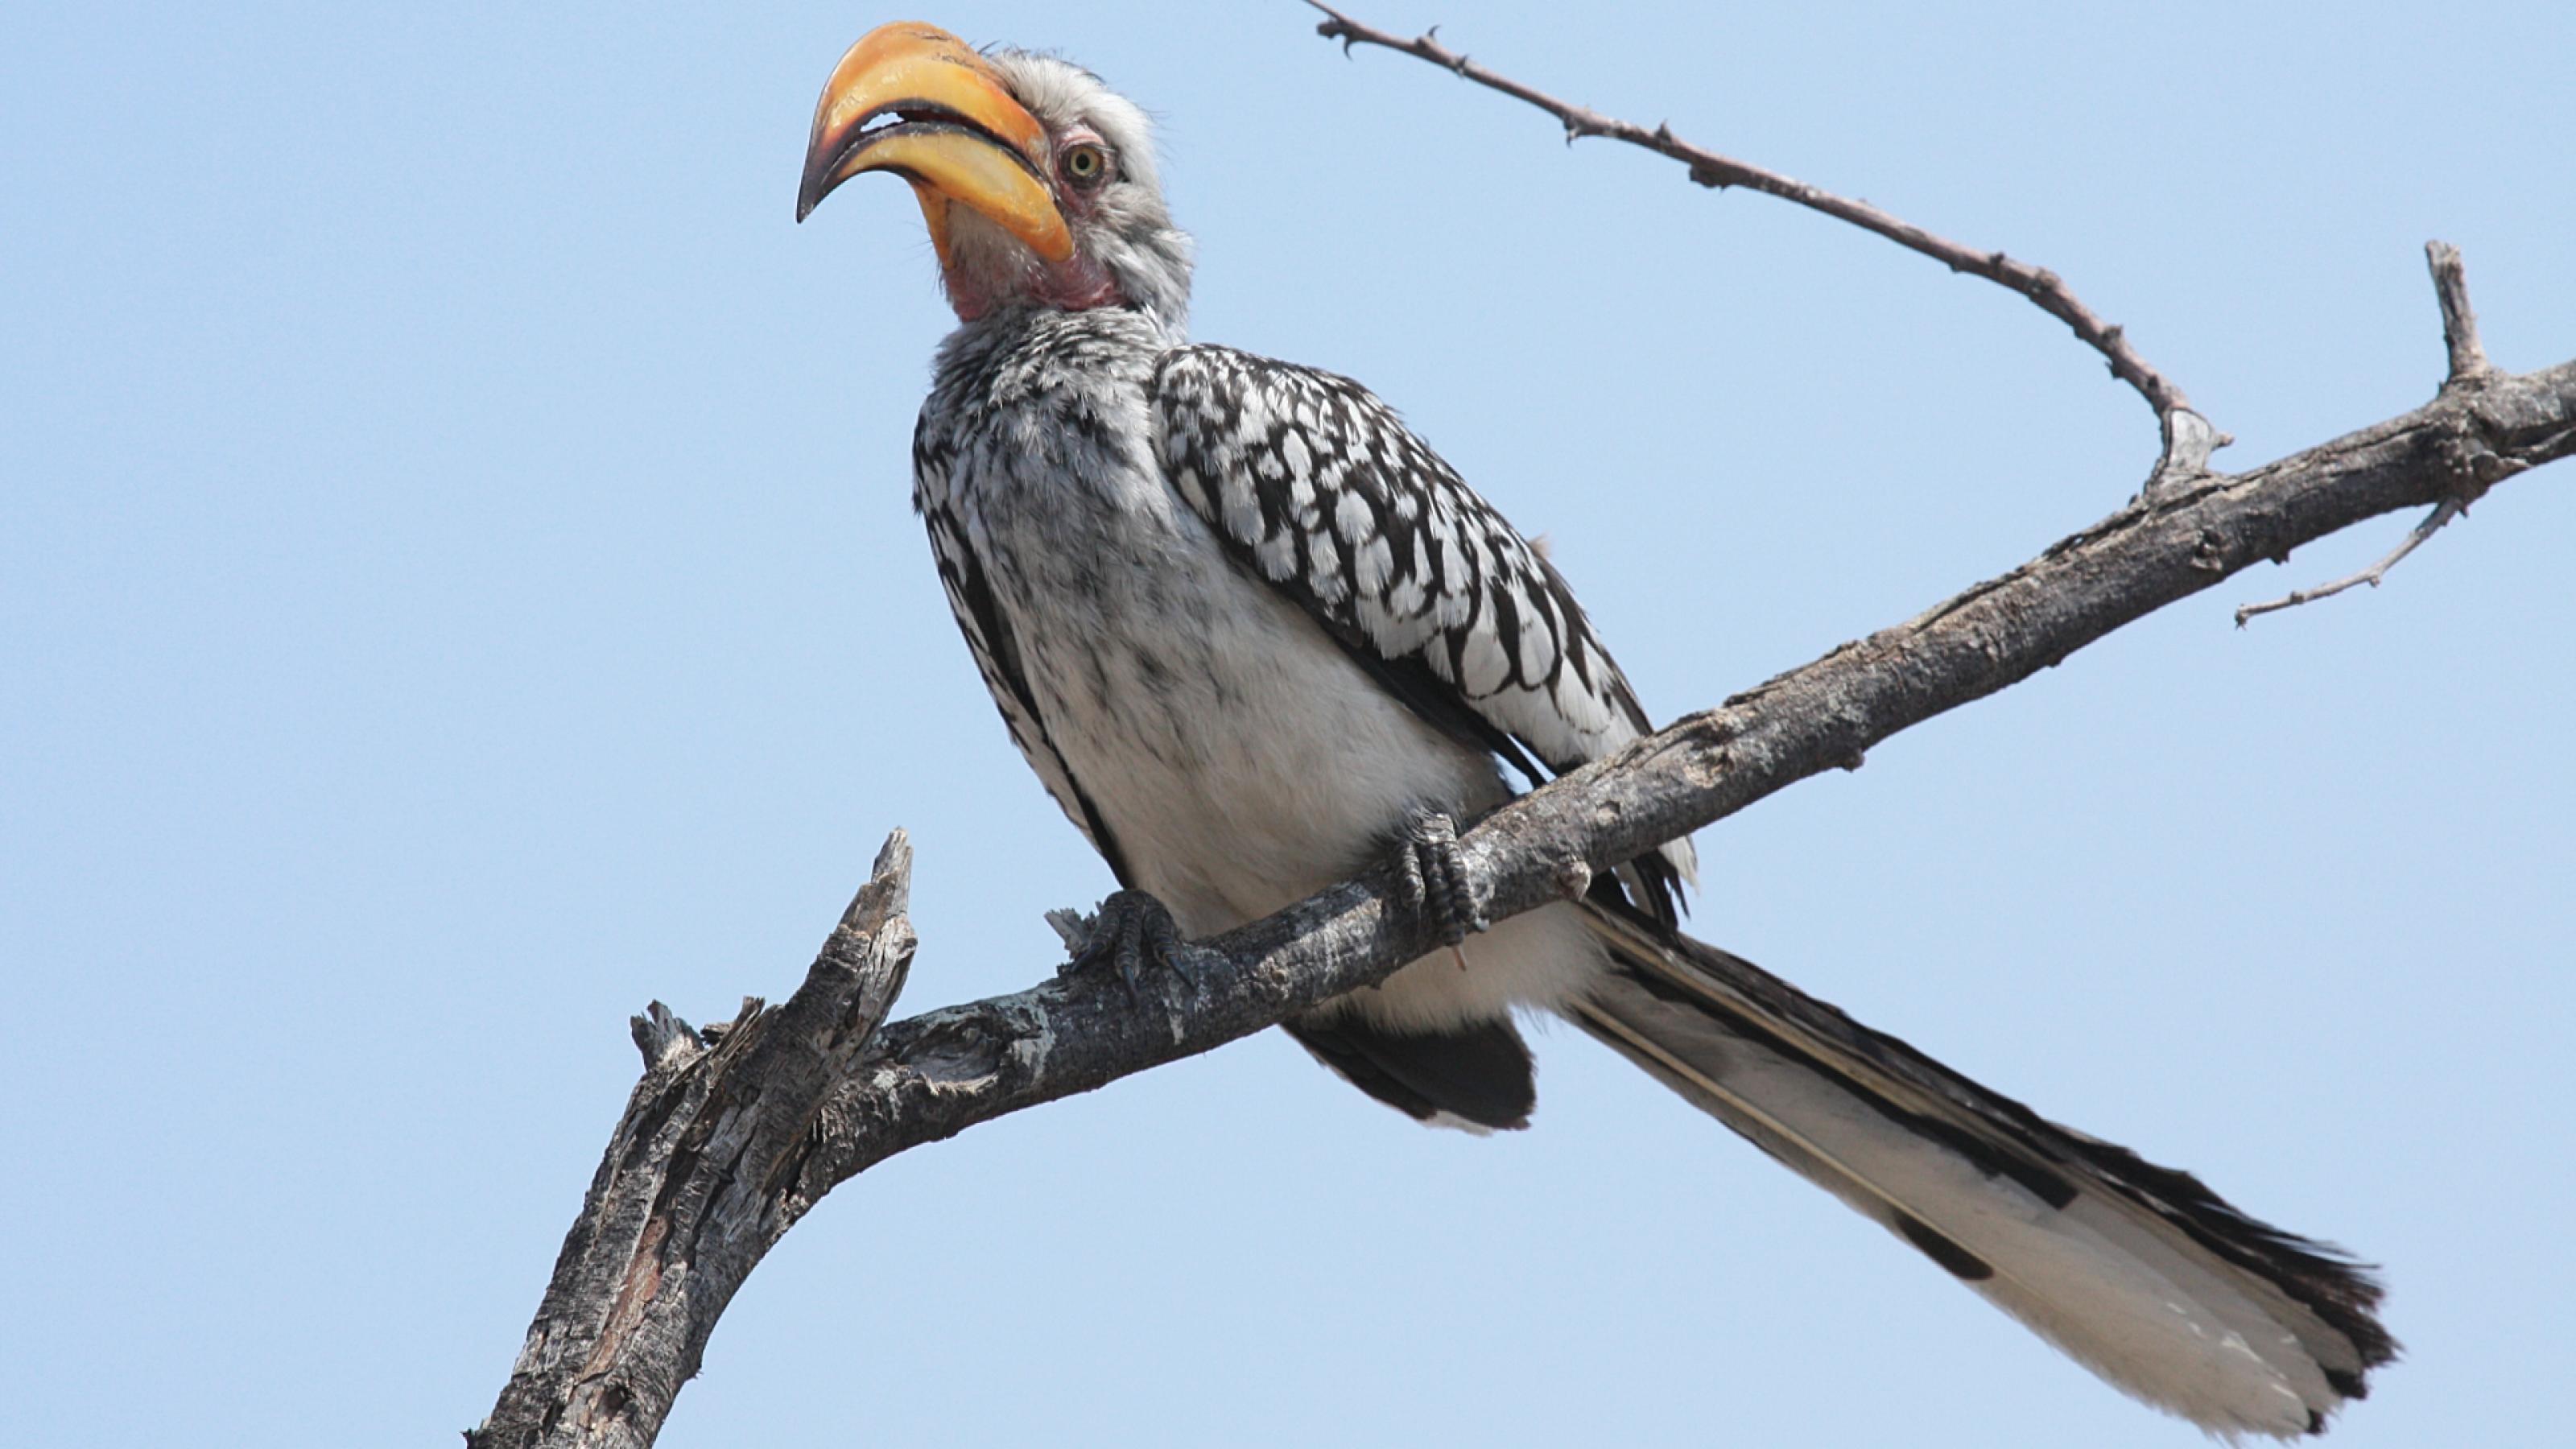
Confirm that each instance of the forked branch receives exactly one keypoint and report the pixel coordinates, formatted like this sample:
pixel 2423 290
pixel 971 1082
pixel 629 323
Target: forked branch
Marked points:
pixel 2469 370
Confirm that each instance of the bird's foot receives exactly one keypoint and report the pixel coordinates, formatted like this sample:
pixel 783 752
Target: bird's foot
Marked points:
pixel 1435 877
pixel 1130 930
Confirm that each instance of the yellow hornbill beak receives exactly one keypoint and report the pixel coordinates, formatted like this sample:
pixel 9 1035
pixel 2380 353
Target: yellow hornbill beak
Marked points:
pixel 915 100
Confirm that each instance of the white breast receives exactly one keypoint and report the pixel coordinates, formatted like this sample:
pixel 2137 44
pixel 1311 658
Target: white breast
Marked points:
pixel 1240 759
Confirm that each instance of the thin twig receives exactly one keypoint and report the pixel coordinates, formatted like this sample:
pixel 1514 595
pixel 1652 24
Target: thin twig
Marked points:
pixel 2469 369
pixel 2044 288
pixel 2443 512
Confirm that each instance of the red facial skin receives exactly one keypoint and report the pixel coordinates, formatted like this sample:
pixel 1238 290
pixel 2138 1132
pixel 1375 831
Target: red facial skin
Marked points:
pixel 1076 284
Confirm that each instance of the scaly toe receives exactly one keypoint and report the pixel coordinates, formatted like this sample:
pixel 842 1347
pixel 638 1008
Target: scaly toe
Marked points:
pixel 1435 875
pixel 1132 931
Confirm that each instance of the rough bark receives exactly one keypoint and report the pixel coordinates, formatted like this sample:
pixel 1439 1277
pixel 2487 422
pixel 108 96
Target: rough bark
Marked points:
pixel 699 1179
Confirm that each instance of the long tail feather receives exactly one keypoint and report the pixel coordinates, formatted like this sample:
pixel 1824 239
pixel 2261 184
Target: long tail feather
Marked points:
pixel 2139 1272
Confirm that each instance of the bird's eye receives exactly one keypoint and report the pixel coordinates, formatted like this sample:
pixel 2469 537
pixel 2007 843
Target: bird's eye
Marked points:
pixel 1085 164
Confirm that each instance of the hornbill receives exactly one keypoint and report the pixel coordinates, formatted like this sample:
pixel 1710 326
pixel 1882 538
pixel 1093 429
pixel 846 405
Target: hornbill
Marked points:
pixel 1253 634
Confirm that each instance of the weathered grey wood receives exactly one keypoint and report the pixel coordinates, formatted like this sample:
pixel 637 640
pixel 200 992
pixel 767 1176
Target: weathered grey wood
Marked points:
pixel 2469 369
pixel 699 1179
pixel 2469 365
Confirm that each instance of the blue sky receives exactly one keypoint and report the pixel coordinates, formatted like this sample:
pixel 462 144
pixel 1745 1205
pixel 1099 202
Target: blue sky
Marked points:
pixel 457 583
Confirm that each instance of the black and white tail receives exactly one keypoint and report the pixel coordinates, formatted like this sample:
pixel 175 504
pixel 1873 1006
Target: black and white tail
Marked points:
pixel 2139 1272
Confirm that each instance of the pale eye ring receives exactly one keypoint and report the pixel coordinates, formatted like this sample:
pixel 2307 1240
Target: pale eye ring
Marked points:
pixel 1084 164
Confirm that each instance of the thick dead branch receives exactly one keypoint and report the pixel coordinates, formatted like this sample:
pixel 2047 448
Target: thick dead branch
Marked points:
pixel 722 1148
pixel 2187 436
pixel 701 1176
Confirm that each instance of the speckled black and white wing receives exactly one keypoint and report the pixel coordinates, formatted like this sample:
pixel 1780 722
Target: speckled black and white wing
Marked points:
pixel 953 523
pixel 1322 490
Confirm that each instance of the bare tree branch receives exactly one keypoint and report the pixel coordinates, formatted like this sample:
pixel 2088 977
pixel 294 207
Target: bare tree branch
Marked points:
pixel 945 1071
pixel 2443 512
pixel 2469 369
pixel 2469 365
pixel 2188 437
pixel 722 1149
pixel 699 1179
